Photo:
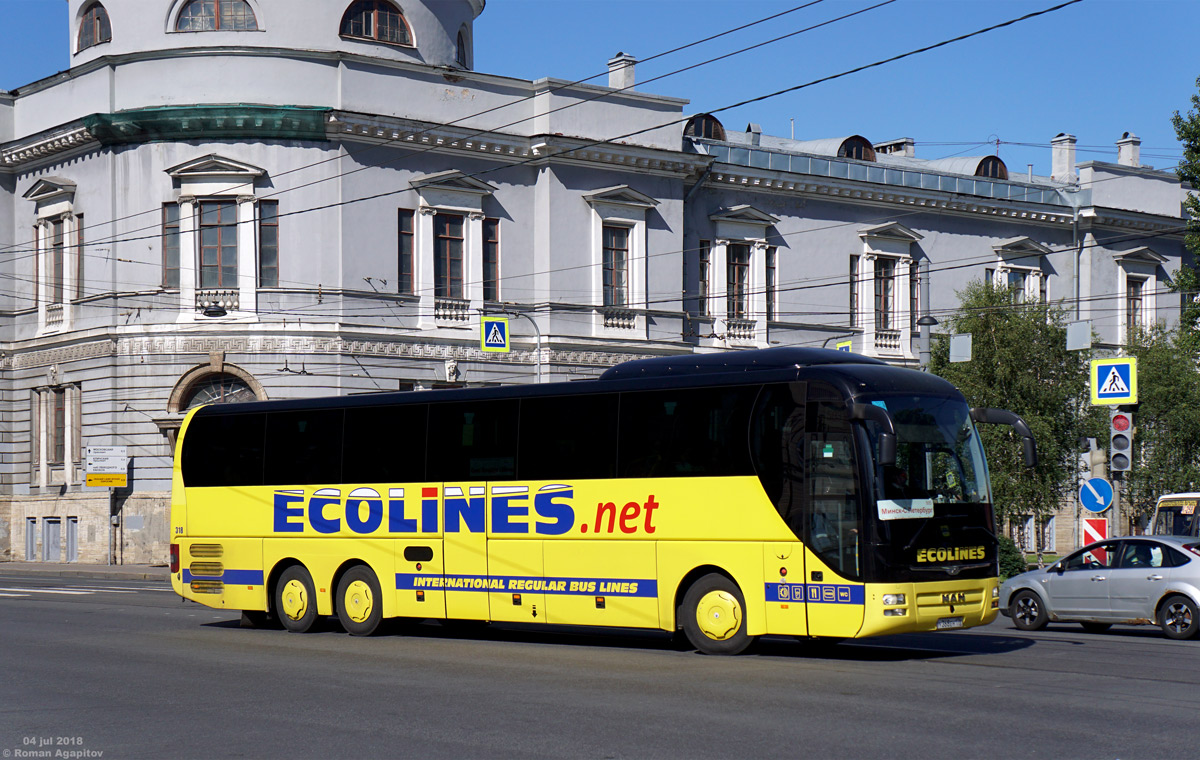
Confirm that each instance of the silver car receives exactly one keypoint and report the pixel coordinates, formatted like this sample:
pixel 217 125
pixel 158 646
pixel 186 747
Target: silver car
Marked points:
pixel 1133 580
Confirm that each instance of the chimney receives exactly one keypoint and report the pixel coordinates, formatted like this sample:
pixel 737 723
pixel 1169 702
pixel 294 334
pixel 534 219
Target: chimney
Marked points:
pixel 755 132
pixel 1129 150
pixel 621 72
pixel 1062 158
pixel 905 146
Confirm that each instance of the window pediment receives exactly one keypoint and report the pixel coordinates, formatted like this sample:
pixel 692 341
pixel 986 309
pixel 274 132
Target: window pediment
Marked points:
pixel 453 190
pixel 744 213
pixel 1143 255
pixel 1020 247
pixel 621 195
pixel 213 166
pixel 892 231
pixel 50 189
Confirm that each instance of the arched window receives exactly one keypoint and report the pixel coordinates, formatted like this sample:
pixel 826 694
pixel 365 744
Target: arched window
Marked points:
pixel 376 20
pixel 217 388
pixel 858 148
pixel 94 27
pixel 992 167
pixel 460 51
pixel 216 15
pixel 704 125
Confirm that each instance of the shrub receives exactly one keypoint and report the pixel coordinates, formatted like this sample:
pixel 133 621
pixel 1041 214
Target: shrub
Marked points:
pixel 1012 559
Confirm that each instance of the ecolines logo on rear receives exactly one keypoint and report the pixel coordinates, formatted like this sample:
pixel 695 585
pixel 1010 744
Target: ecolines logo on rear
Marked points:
pixel 365 511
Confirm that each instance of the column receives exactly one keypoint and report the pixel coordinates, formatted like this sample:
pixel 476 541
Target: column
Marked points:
pixel 423 265
pixel 188 248
pixel 473 266
pixel 40 266
pixel 757 305
pixel 247 237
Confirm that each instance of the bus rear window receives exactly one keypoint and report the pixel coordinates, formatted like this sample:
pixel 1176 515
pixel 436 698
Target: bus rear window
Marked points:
pixel 224 450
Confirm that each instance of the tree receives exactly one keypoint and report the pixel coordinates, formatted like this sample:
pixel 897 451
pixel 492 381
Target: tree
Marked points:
pixel 1020 362
pixel 1187 129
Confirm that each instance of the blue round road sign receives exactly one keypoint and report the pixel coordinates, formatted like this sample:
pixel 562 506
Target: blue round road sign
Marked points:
pixel 1096 495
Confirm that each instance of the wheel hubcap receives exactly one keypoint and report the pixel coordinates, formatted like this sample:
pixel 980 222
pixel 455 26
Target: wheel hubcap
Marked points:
pixel 719 615
pixel 1027 610
pixel 1179 618
pixel 295 599
pixel 358 602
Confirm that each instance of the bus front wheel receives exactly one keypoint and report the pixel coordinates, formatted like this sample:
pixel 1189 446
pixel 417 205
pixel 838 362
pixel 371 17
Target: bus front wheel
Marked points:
pixel 296 599
pixel 714 616
pixel 359 603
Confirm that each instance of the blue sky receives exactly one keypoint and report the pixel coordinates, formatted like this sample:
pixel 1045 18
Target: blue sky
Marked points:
pixel 1095 69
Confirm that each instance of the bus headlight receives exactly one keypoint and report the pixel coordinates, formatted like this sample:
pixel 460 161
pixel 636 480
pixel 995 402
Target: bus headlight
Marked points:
pixel 893 599
pixel 995 592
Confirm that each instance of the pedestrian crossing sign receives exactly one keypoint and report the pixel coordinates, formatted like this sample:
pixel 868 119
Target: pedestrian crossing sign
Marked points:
pixel 493 335
pixel 1114 381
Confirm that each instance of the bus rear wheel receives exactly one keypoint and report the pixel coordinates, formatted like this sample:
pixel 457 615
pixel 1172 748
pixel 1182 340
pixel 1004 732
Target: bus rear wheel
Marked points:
pixel 714 616
pixel 296 599
pixel 359 603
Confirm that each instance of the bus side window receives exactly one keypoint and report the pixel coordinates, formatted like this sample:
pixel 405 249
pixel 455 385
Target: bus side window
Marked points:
pixel 224 450
pixel 568 437
pixel 384 443
pixel 473 440
pixel 698 432
pixel 302 447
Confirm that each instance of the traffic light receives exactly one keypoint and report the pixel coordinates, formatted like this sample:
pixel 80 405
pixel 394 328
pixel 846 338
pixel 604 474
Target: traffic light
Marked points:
pixel 1120 441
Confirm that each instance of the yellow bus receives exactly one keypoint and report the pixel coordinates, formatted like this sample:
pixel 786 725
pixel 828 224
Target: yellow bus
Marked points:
pixel 1175 515
pixel 783 491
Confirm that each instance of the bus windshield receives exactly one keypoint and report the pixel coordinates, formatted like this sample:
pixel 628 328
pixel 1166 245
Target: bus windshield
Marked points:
pixel 1176 516
pixel 939 457
pixel 933 511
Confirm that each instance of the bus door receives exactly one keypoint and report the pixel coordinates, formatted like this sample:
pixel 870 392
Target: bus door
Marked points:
pixel 514 559
pixel 778 452
pixel 833 563
pixel 465 551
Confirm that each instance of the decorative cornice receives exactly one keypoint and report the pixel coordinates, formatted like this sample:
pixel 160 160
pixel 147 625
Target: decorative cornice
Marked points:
pixel 22 152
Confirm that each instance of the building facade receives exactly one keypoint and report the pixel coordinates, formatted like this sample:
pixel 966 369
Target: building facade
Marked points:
pixel 224 200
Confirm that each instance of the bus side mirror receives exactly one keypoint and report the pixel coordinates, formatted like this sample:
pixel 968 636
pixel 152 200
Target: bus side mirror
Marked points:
pixel 987 416
pixel 887 432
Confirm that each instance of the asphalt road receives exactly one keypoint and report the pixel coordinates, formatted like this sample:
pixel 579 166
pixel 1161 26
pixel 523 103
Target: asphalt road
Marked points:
pixel 126 669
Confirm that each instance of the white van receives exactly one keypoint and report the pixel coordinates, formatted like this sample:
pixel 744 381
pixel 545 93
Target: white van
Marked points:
pixel 1175 515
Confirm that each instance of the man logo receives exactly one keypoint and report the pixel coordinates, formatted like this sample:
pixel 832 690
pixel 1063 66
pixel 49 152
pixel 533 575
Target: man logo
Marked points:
pixel 959 597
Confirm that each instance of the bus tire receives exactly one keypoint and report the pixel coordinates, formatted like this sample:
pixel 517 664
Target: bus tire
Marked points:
pixel 714 616
pixel 359 602
pixel 296 599
pixel 1027 611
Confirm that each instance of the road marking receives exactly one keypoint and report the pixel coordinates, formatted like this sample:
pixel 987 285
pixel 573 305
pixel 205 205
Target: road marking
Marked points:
pixel 98 590
pixel 27 591
pixel 13 596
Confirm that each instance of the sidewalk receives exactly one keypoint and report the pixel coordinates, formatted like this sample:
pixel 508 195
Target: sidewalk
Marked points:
pixel 77 570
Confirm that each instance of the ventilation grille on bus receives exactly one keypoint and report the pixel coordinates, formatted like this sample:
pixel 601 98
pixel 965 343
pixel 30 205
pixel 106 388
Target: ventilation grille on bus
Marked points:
pixel 205 550
pixel 215 569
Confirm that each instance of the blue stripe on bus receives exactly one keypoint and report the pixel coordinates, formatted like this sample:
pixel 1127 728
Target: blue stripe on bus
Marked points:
pixel 816 593
pixel 632 587
pixel 229 577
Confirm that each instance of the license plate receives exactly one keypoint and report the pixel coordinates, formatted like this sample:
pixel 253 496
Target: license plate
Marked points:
pixel 946 623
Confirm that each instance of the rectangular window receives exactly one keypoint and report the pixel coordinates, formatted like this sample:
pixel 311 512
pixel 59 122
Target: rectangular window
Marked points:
pixel 1133 306
pixel 218 244
pixel 1044 291
pixel 738 282
pixel 885 275
pixel 57 261
pixel 405 252
pixel 1016 284
pixel 854 306
pixel 170 245
pixel 474 440
pixel 448 246
pixel 989 277
pixel 268 244
pixel 58 426
pixel 491 259
pixel 616 266
pixel 771 283
pixel 550 450
pixel 692 432
pixel 705 276
pixel 914 294
pixel 402 460
pixel 302 447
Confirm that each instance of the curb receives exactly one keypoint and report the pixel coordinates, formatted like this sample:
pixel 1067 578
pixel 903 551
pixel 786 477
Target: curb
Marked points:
pixel 95 572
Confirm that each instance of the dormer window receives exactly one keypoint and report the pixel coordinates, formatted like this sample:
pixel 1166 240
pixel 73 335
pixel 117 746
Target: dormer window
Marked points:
pixel 704 125
pixel 94 27
pixel 460 51
pixel 376 20
pixel 216 15
pixel 992 168
pixel 857 148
